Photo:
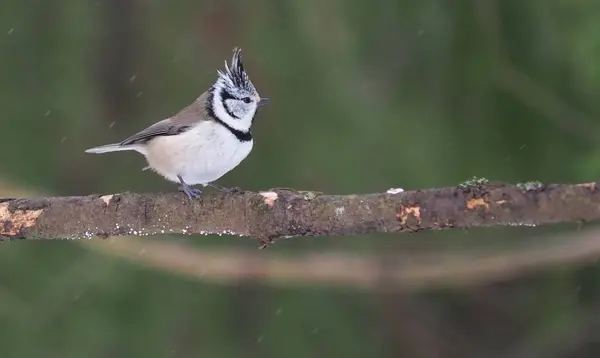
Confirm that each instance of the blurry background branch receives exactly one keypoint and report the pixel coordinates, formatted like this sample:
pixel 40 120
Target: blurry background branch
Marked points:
pixel 286 213
pixel 409 271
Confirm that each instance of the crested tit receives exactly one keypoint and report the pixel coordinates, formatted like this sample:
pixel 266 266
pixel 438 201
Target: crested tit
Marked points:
pixel 206 139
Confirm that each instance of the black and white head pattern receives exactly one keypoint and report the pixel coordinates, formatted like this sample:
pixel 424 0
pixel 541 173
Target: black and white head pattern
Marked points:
pixel 233 99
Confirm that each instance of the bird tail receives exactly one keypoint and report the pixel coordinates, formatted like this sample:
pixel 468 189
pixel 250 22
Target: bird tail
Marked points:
pixel 116 147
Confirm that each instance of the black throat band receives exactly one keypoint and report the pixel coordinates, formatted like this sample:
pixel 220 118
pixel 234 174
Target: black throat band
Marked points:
pixel 242 136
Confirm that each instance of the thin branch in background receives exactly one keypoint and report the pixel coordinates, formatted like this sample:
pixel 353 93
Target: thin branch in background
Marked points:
pixel 551 106
pixel 523 87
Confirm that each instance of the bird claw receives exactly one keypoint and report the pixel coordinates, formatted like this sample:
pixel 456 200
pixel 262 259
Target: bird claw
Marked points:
pixel 192 193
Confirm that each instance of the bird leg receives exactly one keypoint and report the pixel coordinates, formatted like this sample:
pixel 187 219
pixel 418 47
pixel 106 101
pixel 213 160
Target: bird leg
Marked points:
pixel 223 189
pixel 191 193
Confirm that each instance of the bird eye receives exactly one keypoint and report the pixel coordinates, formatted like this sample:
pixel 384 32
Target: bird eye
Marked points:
pixel 246 99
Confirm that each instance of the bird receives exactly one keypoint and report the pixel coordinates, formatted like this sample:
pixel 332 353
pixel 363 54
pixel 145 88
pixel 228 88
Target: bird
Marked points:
pixel 206 139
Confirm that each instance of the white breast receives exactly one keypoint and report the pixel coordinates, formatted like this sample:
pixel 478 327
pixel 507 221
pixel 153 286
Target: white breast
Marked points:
pixel 200 155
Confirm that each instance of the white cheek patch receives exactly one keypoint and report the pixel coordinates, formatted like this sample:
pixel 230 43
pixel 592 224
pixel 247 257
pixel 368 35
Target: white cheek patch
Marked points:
pixel 230 108
pixel 236 114
pixel 219 110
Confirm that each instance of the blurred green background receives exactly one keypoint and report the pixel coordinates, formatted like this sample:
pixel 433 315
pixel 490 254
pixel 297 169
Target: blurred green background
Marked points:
pixel 365 96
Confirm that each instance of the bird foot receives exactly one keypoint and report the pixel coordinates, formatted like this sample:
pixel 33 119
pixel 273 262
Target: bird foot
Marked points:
pixel 192 193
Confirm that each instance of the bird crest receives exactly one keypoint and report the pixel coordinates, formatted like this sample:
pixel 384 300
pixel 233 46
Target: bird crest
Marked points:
pixel 234 75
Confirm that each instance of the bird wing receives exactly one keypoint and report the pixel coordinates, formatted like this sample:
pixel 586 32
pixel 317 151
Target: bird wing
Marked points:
pixel 179 123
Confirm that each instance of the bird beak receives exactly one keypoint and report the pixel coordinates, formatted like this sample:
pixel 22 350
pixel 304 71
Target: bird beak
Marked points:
pixel 263 101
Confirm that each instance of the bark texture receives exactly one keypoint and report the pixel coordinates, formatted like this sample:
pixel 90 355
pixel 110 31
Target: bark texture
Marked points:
pixel 287 213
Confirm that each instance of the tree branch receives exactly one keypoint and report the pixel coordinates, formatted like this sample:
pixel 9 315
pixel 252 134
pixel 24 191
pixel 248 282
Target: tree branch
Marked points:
pixel 288 213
